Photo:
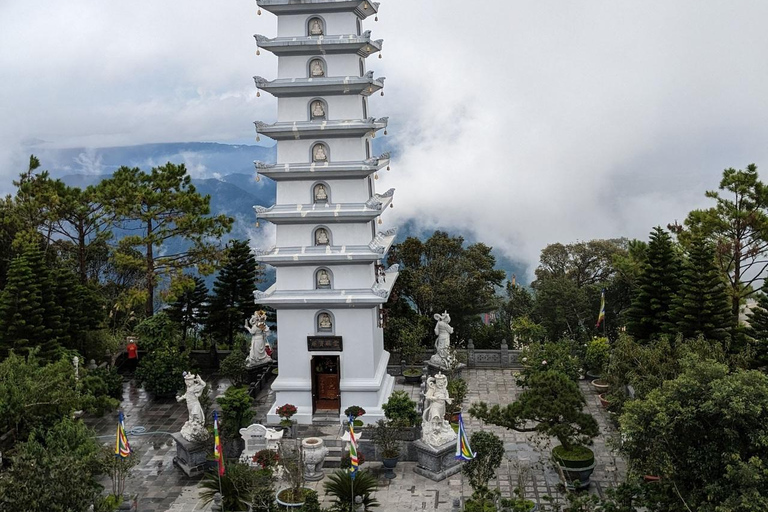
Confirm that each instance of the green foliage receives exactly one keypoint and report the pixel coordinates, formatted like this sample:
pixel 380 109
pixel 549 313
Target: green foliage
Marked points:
pixel 489 452
pixel 385 438
pixel 457 390
pixel 98 396
pixel 113 381
pixel 738 227
pixel 164 205
pixel 236 408
pixel 160 372
pixel 701 306
pixel 401 410
pixel 568 283
pixel 597 354
pixel 758 327
pixel 650 314
pixel 340 486
pixel 233 367
pixel 238 484
pixel 442 274
pixel 550 356
pixel 188 310
pixel 706 434
pixel 53 470
pixel 157 331
pixel 232 301
pixel 554 401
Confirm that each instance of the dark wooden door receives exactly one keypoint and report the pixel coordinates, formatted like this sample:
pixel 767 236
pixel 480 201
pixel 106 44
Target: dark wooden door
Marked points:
pixel 326 390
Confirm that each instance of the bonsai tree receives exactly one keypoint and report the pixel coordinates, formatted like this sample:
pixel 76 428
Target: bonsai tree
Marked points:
pixel 457 389
pixel 400 410
pixel 355 411
pixel 489 451
pixel 291 459
pixel 596 357
pixel 411 350
pixel 550 356
pixel 340 486
pixel 555 403
pixel 385 438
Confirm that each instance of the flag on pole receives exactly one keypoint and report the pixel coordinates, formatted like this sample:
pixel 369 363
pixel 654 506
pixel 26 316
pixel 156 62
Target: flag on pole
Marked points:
pixel 353 447
pixel 218 453
pixel 122 448
pixel 463 450
pixel 601 316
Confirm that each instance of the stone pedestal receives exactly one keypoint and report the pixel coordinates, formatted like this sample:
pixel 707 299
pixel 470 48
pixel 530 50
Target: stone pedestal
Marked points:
pixel 190 456
pixel 436 463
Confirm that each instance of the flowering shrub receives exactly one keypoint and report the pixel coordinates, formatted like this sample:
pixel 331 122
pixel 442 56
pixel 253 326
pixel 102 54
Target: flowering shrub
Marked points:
pixel 286 411
pixel 266 458
pixel 354 410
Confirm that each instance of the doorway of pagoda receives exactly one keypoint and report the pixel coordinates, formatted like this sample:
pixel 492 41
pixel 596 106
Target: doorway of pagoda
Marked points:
pixel 326 391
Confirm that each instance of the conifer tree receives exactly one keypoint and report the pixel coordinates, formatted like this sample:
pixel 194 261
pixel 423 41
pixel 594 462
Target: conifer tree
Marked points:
pixel 81 310
pixel 701 306
pixel 658 283
pixel 188 310
pixel 21 310
pixel 232 300
pixel 758 326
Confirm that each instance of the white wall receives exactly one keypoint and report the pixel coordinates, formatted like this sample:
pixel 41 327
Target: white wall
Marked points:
pixel 335 24
pixel 342 277
pixel 335 66
pixel 339 191
pixel 341 150
pixel 299 235
pixel 340 108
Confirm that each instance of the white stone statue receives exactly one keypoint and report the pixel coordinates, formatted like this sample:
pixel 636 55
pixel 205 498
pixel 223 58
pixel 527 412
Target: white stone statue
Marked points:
pixel 443 330
pixel 324 322
pixel 321 237
pixel 323 280
pixel 259 330
pixel 194 428
pixel 316 68
pixel 318 153
pixel 436 430
pixel 315 27
pixel 318 110
pixel 321 196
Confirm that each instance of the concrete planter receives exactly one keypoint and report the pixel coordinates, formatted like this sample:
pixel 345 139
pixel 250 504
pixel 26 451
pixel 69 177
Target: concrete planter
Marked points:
pixel 314 451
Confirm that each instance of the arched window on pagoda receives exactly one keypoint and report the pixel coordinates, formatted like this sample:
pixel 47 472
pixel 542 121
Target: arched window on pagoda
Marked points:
pixel 323 279
pixel 320 153
pixel 321 236
pixel 318 110
pixel 317 68
pixel 320 194
pixel 324 322
pixel 315 26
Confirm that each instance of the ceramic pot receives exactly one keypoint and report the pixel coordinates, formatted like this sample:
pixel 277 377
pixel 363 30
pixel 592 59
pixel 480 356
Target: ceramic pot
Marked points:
pixel 389 465
pixel 314 451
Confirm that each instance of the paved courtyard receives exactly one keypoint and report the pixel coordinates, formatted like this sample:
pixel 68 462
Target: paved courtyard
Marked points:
pixel 162 487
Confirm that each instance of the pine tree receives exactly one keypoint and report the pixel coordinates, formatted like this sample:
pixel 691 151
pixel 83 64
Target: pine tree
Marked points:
pixel 21 311
pixel 658 283
pixel 758 326
pixel 701 306
pixel 52 309
pixel 81 310
pixel 232 300
pixel 188 310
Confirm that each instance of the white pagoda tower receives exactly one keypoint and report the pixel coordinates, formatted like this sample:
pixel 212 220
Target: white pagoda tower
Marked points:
pixel 330 283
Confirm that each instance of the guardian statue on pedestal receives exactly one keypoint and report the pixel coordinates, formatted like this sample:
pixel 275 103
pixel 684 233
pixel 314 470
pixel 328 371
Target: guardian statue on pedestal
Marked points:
pixel 443 330
pixel 436 430
pixel 194 428
pixel 258 328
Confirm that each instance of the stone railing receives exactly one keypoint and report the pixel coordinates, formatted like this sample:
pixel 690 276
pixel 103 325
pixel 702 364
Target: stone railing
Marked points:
pixel 502 357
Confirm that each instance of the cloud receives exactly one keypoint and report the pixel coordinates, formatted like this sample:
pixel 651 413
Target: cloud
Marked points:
pixel 520 123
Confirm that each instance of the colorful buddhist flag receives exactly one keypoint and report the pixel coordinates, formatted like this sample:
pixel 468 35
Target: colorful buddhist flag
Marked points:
pixel 463 450
pixel 218 453
pixel 122 448
pixel 355 463
pixel 601 316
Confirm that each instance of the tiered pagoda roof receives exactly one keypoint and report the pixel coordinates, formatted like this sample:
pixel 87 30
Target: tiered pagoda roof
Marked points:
pixel 362 45
pixel 362 8
pixel 326 213
pixel 323 255
pixel 326 170
pixel 350 298
pixel 322 86
pixel 298 130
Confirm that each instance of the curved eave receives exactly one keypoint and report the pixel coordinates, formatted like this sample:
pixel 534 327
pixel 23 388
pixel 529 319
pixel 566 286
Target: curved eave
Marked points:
pixel 329 170
pixel 301 299
pixel 320 45
pixel 321 129
pixel 331 214
pixel 328 86
pixel 362 8
pixel 288 256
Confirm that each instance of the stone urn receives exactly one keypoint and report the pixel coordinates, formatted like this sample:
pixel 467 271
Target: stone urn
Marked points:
pixel 314 452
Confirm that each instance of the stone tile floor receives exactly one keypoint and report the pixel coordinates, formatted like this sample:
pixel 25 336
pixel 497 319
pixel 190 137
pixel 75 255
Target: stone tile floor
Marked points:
pixel 161 486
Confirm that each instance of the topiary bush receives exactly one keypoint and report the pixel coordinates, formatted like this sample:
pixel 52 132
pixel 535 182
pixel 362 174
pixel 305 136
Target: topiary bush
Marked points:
pixel 596 357
pixel 401 410
pixel 161 371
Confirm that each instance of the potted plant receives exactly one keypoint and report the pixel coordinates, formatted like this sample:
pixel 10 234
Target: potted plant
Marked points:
pixel 489 452
pixel 401 412
pixel 291 459
pixel 556 403
pixel 346 460
pixel 412 353
pixel 596 357
pixel 341 487
pixel 385 438
pixel 600 385
pixel 457 390
pixel 355 411
pixel 266 459
pixel 285 412
pixel 236 410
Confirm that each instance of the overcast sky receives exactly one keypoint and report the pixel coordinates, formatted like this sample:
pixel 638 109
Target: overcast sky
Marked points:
pixel 522 123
